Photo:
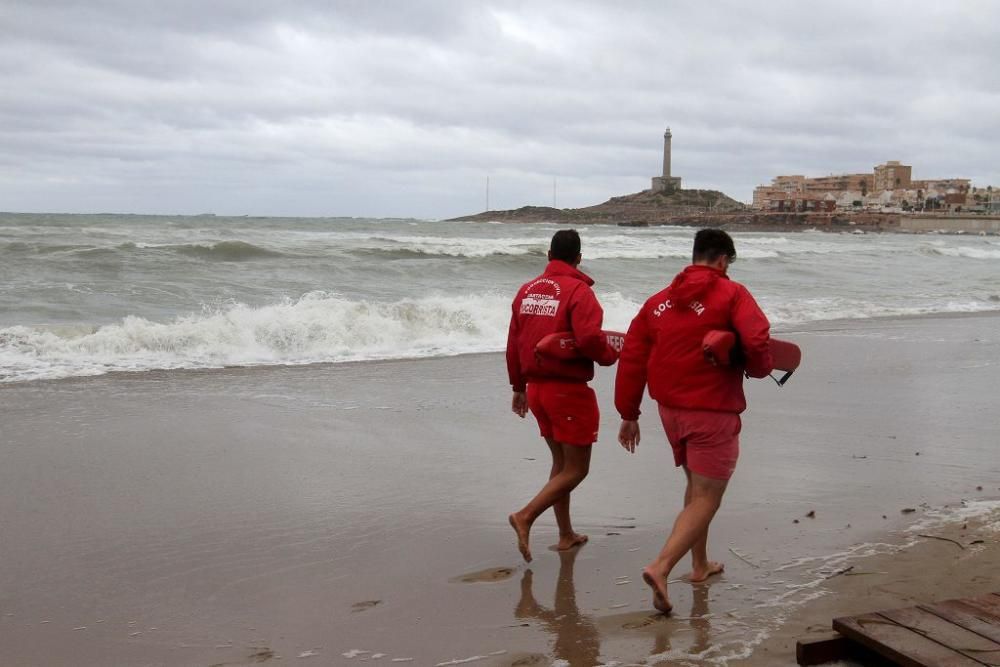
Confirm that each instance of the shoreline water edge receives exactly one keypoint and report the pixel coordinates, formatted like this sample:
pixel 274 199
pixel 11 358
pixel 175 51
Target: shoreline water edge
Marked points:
pixel 235 516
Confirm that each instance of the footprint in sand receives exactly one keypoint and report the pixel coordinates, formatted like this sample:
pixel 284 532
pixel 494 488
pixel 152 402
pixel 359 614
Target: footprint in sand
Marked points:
pixel 643 622
pixel 486 576
pixel 364 605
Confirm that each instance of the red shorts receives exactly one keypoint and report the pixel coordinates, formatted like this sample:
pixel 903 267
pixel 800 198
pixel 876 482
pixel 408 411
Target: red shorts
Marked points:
pixel 704 442
pixel 566 411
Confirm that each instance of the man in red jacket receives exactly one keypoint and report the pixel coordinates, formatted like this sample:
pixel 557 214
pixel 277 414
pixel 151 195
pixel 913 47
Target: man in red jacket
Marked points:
pixel 699 402
pixel 556 390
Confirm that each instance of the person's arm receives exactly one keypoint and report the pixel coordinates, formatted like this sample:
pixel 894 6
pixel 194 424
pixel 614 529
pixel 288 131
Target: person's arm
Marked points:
pixel 754 334
pixel 630 380
pixel 519 401
pixel 586 319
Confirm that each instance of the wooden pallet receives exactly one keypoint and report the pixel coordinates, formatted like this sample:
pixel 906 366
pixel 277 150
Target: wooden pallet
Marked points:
pixel 953 633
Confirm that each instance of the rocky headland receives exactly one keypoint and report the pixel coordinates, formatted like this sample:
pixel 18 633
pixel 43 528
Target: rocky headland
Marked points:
pixel 711 208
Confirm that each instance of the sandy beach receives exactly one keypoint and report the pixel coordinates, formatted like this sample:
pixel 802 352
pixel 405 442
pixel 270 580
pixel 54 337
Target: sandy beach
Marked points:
pixel 343 513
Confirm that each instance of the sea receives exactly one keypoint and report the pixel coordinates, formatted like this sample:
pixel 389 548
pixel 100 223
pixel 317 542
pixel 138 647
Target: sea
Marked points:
pixel 84 295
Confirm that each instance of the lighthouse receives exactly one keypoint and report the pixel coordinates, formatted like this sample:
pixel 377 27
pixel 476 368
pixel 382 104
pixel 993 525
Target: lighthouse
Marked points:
pixel 666 182
pixel 666 153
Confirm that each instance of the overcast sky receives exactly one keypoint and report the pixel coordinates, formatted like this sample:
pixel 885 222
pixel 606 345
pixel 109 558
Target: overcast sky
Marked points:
pixel 403 108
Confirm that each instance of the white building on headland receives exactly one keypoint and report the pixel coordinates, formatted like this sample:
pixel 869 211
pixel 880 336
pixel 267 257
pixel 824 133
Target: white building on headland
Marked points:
pixel 666 182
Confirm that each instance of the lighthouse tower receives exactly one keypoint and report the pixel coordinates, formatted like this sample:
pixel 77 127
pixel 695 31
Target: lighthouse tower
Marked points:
pixel 666 182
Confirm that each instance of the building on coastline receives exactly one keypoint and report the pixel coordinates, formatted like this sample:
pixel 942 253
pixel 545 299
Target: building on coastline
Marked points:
pixel 666 182
pixel 889 186
pixel 987 198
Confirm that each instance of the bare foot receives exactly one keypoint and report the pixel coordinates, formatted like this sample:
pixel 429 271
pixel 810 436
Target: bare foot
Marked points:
pixel 521 530
pixel 699 575
pixel 576 539
pixel 659 586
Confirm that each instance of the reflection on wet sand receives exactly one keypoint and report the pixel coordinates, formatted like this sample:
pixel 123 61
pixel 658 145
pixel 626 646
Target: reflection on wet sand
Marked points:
pixel 700 622
pixel 576 636
pixel 664 629
pixel 576 639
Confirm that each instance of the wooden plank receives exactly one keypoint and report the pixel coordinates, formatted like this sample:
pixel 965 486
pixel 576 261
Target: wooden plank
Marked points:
pixel 988 604
pixel 819 650
pixel 946 633
pixel 960 614
pixel 904 646
pixel 837 647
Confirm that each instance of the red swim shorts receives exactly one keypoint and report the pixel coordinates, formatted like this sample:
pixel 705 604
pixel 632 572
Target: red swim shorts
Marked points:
pixel 566 411
pixel 705 442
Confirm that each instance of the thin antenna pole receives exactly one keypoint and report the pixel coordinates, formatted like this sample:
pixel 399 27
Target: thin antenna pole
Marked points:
pixel 553 192
pixel 487 193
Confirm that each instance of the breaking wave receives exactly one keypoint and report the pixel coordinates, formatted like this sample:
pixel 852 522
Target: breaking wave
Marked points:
pixel 318 327
pixel 969 252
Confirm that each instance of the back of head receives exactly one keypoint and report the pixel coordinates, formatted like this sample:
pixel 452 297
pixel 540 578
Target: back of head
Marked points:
pixel 711 244
pixel 565 246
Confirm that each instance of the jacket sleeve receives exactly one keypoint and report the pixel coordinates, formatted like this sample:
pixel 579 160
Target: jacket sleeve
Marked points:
pixel 754 333
pixel 630 381
pixel 517 381
pixel 586 319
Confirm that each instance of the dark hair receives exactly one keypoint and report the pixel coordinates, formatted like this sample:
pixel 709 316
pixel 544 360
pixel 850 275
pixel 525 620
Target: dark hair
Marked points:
pixel 565 245
pixel 711 244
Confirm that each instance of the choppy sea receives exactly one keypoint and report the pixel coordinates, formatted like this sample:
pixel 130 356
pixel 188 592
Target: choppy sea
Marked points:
pixel 88 294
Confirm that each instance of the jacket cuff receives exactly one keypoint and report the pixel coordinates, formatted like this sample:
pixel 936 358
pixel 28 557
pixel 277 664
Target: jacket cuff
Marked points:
pixel 519 387
pixel 630 416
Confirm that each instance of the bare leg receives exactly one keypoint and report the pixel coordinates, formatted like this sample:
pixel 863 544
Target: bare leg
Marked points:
pixel 576 465
pixel 701 567
pixel 691 525
pixel 568 538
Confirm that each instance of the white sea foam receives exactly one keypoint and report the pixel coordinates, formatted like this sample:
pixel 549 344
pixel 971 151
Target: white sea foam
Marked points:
pixel 985 511
pixel 800 311
pixel 968 252
pixel 326 327
pixel 318 327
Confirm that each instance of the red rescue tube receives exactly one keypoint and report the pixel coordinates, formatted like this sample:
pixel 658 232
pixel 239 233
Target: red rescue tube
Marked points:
pixel 718 347
pixel 562 344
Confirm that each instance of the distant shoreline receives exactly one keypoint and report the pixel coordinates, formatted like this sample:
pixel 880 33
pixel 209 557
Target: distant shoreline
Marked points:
pixel 843 223
pixel 709 208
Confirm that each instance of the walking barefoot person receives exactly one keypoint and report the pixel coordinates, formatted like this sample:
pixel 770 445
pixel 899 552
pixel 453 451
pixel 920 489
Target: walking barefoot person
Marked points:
pixel 699 403
pixel 556 391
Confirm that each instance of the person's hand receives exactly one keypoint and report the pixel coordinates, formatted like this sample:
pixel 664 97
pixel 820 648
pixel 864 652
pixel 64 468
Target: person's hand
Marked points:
pixel 519 404
pixel 628 435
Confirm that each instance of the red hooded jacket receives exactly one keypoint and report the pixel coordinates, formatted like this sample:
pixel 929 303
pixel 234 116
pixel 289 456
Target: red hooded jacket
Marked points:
pixel 663 345
pixel 558 300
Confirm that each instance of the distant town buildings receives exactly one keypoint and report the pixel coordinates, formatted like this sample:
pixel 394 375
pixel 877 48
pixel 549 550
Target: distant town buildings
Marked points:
pixel 666 182
pixel 889 187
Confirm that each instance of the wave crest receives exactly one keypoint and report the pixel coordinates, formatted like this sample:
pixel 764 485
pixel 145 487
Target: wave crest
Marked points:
pixel 318 327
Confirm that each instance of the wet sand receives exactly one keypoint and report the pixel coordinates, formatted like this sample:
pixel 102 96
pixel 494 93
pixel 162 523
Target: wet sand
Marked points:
pixel 948 555
pixel 336 513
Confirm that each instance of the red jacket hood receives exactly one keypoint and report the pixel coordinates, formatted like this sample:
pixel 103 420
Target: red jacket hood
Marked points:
pixel 557 267
pixel 693 283
pixel 664 347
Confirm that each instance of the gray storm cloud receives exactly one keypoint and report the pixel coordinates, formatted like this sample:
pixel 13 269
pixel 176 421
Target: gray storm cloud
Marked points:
pixel 403 108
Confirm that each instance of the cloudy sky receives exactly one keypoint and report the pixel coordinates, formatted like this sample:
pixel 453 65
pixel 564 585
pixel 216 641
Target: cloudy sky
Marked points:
pixel 376 108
